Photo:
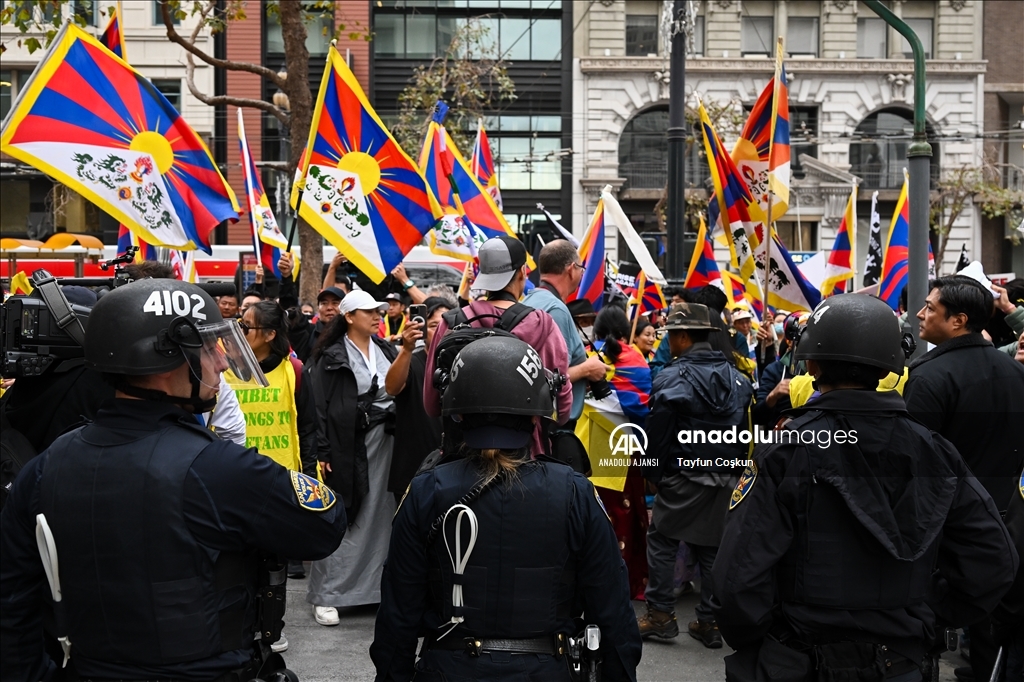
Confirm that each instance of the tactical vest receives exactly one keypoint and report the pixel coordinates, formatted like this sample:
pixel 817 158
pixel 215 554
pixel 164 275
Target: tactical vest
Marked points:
pixel 521 576
pixel 137 588
pixel 835 561
pixel 271 414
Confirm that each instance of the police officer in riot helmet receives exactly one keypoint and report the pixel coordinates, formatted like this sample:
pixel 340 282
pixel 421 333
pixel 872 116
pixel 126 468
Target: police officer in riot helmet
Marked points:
pixel 499 561
pixel 164 532
pixel 857 536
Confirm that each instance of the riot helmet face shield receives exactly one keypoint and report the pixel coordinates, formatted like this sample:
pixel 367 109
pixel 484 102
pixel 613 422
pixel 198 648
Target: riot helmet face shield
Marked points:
pixel 224 345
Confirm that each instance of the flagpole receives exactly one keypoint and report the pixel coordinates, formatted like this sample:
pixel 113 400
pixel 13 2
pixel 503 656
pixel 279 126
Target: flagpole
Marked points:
pixel 250 191
pixel 640 285
pixel 120 31
pixel 768 220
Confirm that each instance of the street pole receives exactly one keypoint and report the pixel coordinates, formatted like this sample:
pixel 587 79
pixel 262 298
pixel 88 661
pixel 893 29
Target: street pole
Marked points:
pixel 919 153
pixel 681 240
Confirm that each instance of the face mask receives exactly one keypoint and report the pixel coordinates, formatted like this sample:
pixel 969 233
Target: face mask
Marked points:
pixel 778 329
pixel 587 333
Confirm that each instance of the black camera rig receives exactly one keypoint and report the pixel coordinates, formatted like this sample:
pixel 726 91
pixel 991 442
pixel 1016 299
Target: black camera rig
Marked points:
pixel 43 332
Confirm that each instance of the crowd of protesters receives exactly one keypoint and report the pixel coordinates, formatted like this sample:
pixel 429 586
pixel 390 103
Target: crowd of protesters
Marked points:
pixel 353 401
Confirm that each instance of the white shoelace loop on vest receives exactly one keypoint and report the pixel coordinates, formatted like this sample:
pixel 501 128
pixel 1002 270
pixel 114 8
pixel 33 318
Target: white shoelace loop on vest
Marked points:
pixel 459 560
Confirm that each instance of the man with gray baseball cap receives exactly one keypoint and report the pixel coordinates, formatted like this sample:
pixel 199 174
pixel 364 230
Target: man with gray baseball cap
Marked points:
pixel 503 277
pixel 701 394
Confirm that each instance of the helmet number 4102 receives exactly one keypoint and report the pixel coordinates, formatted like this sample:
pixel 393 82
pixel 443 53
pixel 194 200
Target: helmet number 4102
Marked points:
pixel 175 303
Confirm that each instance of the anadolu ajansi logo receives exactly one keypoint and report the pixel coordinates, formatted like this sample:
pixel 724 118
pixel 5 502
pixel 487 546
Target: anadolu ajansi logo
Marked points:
pixel 624 440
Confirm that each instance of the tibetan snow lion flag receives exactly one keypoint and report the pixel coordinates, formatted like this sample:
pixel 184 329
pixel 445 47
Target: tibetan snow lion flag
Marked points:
pixel 361 191
pixel 762 152
pixel 482 164
pixel 839 269
pixel 455 235
pixel 113 36
pixel 896 261
pixel 268 239
pixel 591 252
pixel 92 122
pixel 703 268
pixel 126 238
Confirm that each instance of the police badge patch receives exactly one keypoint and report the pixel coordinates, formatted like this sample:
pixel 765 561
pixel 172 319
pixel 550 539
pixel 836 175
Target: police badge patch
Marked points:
pixel 311 493
pixel 744 485
pixel 1022 484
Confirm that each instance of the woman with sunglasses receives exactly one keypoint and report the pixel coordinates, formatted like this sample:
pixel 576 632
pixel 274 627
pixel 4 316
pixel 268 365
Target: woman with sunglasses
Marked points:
pixel 280 421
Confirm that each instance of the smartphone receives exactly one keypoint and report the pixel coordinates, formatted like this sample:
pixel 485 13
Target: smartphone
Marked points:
pixel 418 313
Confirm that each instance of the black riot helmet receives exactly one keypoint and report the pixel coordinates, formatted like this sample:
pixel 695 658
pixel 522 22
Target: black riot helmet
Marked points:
pixel 153 326
pixel 497 385
pixel 854 328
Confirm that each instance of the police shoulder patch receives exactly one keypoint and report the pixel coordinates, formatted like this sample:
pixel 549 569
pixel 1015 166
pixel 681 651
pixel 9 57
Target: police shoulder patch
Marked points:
pixel 744 485
pixel 1022 484
pixel 311 493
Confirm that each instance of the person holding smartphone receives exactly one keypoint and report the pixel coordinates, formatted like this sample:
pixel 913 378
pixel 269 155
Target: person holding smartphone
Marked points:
pixel 417 434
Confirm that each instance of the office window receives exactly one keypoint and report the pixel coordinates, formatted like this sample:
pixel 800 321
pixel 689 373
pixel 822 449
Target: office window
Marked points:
pixel 756 35
pixel 698 37
pixel 319 31
pixel 87 10
pixel 803 132
pixel 420 36
pixel 527 162
pixel 802 36
pixel 923 29
pixel 802 236
pixel 6 92
pixel 546 39
pixel 388 35
pixel 872 40
pixel 515 38
pixel 171 89
pixel 641 35
pixel 158 17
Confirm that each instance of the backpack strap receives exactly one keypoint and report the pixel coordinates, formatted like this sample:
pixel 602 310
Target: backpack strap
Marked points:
pixel 297 366
pixel 454 318
pixel 512 316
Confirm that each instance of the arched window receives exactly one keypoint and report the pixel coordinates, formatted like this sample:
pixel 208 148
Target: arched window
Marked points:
pixel 880 153
pixel 643 152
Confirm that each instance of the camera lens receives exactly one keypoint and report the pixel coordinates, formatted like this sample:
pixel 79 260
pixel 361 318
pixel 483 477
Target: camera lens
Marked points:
pixel 600 389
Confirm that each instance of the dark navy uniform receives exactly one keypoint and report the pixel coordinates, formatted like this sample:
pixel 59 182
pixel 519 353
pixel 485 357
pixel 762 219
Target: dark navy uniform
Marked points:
pixel 545 553
pixel 157 526
pixel 872 540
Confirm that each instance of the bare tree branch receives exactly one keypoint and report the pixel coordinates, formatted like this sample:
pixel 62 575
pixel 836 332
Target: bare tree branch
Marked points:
pixel 190 68
pixel 175 37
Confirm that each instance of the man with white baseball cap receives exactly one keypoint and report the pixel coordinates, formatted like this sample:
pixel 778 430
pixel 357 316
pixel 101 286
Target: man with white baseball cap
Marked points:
pixel 503 277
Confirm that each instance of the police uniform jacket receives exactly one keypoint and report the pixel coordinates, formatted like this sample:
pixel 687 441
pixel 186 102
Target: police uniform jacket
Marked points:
pixel 545 553
pixel 157 526
pixel 834 540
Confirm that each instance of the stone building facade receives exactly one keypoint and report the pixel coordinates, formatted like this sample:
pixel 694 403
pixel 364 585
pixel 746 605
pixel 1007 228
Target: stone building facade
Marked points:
pixel 850 96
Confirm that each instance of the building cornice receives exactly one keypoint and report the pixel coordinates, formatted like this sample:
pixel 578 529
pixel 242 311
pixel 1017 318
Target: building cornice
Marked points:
pixel 853 67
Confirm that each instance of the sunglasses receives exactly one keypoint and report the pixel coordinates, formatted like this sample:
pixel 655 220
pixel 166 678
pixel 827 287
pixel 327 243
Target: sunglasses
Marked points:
pixel 246 328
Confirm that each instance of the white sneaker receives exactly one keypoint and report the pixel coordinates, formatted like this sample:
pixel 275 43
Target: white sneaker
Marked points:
pixel 280 645
pixel 326 615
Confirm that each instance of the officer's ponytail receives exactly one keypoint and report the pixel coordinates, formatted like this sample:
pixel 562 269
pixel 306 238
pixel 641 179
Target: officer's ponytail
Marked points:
pixel 496 462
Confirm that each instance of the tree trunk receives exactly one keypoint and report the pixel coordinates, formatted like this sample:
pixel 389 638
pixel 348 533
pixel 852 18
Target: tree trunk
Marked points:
pixel 300 99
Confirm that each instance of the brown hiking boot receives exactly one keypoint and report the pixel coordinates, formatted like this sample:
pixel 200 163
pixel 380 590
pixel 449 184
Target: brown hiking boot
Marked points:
pixel 658 624
pixel 707 633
